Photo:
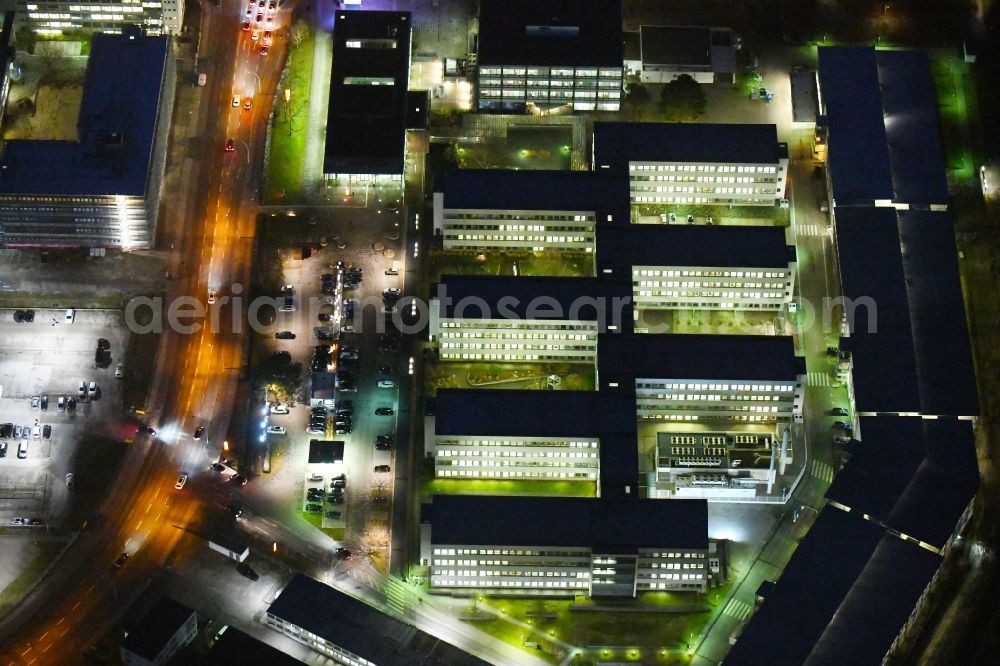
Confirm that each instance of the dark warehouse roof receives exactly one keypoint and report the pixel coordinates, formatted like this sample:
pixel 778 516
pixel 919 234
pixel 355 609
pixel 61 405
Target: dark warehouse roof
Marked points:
pixel 616 144
pixel 692 245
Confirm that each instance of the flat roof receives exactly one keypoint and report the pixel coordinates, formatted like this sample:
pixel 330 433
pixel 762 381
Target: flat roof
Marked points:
pixel 858 153
pixel 509 189
pixel 881 340
pixel 542 298
pixel 550 33
pixel 692 245
pixel 235 648
pixel 616 144
pixel 625 524
pixel 944 364
pixel 819 575
pixel 366 123
pixel 525 413
pixel 632 45
pixel 325 451
pixel 361 629
pixel 150 635
pixel 676 45
pixel 116 127
pixel 676 356
pixel 943 485
pixel 877 605
pixel 910 107
pixel 891 450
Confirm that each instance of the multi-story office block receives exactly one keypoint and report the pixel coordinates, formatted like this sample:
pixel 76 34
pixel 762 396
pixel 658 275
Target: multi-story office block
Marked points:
pixel 102 190
pixel 565 545
pixel 700 267
pixel 526 211
pixel 695 163
pixel 351 632
pixel 370 107
pixel 756 379
pixel 516 434
pixel 53 17
pixel 166 628
pixel 545 54
pixel 522 319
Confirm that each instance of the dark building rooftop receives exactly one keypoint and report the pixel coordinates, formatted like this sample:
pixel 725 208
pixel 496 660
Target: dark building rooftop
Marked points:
pixel 369 105
pixel 616 144
pixel 116 126
pixel 552 298
pixel 670 356
pixel 882 118
pixel 149 636
pixel 945 371
pixel 881 341
pixel 236 648
pixel 508 189
pixel 676 45
pixel 628 245
pixel 550 33
pixel 361 629
pixel 569 521
pixel 325 451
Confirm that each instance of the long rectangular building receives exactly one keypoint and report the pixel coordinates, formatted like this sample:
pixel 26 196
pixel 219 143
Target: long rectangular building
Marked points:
pixel 545 54
pixel 102 190
pixel 525 319
pixel 695 163
pixel 706 377
pixel 565 545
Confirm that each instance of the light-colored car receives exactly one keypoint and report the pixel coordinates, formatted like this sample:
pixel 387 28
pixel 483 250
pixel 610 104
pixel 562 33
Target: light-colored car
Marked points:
pixel 69 479
pixel 70 315
pixel 36 432
pixel 81 391
pixel 35 400
pixel 288 289
pixel 92 389
pixel 279 409
pixel 386 383
pixel 276 430
pixel 120 370
pixel 236 100
pixel 212 296
pixel 181 480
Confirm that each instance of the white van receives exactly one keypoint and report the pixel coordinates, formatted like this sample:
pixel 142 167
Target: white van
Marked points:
pixel 22 449
pixel 70 315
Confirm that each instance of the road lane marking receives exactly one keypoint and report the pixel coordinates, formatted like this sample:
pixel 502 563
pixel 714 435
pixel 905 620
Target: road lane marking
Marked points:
pixel 148 507
pixel 75 606
pixel 47 647
pixel 42 637
pixel 138 526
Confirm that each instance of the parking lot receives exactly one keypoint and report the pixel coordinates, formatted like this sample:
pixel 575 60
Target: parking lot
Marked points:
pixel 48 359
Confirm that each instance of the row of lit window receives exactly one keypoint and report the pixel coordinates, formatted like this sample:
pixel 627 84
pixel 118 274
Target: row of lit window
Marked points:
pixel 527 358
pixel 497 216
pixel 555 443
pixel 567 82
pixel 687 200
pixel 452 582
pixel 694 272
pixel 744 418
pixel 516 552
pixel 524 474
pixel 577 455
pixel 510 239
pixel 518 324
pixel 715 386
pixel 709 168
pixel 554 71
pixel 700 293
pixel 637 182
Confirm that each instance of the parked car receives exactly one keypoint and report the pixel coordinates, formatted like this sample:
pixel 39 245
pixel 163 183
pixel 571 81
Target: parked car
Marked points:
pixel 244 570
pixel 839 411
pixel 343 554
pixel 380 468
pixel 276 430
pixel 35 401
pixel 843 425
pixel 45 402
pixel 384 411
pixel 91 389
pixel 279 409
pixel 47 431
pixel 69 479
pixel 386 383
pixel 103 344
pixel 314 508
pixel 284 335
pixel 238 480
pixel 334 514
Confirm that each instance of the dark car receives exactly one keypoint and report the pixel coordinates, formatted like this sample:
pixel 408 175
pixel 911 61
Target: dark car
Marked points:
pixel 6 429
pixel 343 554
pixel 338 483
pixel 284 335
pixel 314 508
pixel 218 467
pixel 47 431
pixel 236 509
pixel 29 316
pixel 18 316
pixel 340 477
pixel 244 570
pixel 383 446
pixel 199 431
pixel 380 468
pixel 343 429
pixel 843 425
pixel 148 429
pixel 45 402
pixel 384 411
pixel 336 499
pixel 120 562
pixel 103 344
pixel 238 479
pixel 334 514
pixel 838 411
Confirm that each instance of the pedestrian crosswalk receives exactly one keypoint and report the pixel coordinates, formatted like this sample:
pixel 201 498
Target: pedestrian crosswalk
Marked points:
pixel 809 229
pixel 739 609
pixel 822 471
pixel 819 379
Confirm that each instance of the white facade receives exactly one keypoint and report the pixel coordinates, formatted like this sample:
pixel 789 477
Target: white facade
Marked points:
pixel 541 458
pixel 514 340
pixel 514 230
pixel 584 88
pixel 712 288
pixel 318 643
pixel 704 183
pixel 719 400
pixel 564 570
pixel 54 17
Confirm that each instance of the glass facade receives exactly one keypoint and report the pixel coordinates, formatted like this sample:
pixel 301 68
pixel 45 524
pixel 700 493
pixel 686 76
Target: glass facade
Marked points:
pixel 585 88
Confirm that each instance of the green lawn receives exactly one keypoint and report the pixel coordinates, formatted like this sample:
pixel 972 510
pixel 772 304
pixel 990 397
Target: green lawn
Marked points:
pixel 44 553
pixel 455 374
pixel 565 264
pixel 519 487
pixel 722 215
pixel 953 81
pixel 283 170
